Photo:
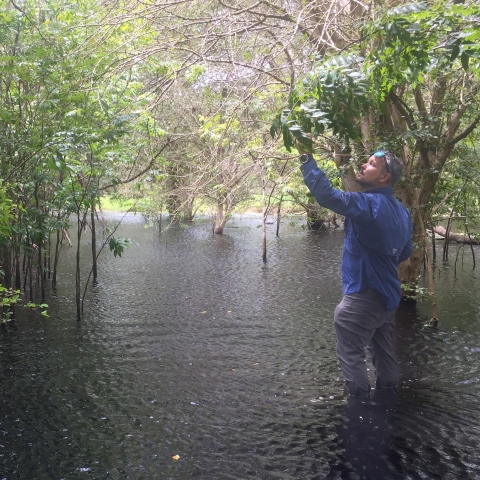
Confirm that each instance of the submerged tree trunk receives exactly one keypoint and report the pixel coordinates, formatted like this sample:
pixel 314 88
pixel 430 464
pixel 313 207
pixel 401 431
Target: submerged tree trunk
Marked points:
pixel 30 271
pixel 94 242
pixel 78 299
pixel 409 270
pixel 58 244
pixel 219 220
pixel 266 206
pixel 434 244
pixel 278 215
pixel 431 283
pixel 174 206
pixel 49 254
pixel 40 240
pixel 187 210
pixel 40 271
pixel 264 233
pixel 7 266
pixel 221 217
pixel 18 275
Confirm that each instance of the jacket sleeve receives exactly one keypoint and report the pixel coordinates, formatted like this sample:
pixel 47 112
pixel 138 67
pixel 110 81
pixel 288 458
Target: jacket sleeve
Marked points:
pixel 349 204
pixel 406 252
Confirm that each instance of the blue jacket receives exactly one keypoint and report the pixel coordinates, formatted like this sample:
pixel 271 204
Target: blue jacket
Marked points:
pixel 378 234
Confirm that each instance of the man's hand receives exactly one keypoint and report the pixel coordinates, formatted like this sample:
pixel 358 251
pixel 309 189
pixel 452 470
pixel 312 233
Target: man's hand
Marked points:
pixel 305 145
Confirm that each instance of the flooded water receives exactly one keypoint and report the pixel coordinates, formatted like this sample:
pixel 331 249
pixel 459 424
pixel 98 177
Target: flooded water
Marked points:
pixel 190 346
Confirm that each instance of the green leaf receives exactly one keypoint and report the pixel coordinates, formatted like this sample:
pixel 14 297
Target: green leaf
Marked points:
pixel 455 52
pixel 287 138
pixel 295 128
pixel 473 36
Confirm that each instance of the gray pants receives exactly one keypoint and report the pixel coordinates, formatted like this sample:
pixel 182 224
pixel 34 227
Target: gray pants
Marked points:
pixel 362 321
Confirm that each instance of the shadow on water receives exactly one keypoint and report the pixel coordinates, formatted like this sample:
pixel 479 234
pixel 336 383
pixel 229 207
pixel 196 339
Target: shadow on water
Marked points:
pixel 191 346
pixel 429 428
pixel 365 434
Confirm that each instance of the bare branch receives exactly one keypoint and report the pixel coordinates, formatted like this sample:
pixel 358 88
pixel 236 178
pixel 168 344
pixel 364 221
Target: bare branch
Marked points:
pixel 466 132
pixel 145 170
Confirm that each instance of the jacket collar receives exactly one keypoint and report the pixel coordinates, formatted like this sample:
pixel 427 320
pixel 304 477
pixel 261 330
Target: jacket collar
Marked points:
pixel 383 190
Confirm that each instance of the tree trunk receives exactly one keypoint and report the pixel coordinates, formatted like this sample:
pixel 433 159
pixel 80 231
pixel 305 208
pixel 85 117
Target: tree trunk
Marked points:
pixel 409 270
pixel 174 206
pixel 456 237
pixel 40 240
pixel 30 271
pixel 94 242
pixel 434 247
pixel 58 245
pixel 187 211
pixel 413 198
pixel 7 266
pixel 78 298
pixel 49 254
pixel 18 275
pixel 264 233
pixel 40 271
pixel 278 215
pixel 221 218
pixel 159 220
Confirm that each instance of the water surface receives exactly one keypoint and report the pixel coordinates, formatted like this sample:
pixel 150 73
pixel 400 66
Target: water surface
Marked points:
pixel 191 346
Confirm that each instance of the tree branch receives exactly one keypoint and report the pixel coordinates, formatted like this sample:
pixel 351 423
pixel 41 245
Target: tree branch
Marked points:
pixel 145 170
pixel 404 110
pixel 466 132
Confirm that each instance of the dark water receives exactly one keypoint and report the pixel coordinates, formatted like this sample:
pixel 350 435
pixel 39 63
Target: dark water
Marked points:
pixel 191 346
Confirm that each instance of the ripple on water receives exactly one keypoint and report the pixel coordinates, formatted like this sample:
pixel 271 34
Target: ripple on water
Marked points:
pixel 191 346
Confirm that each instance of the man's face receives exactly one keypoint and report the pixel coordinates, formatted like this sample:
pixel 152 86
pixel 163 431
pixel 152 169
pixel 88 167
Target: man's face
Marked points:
pixel 373 174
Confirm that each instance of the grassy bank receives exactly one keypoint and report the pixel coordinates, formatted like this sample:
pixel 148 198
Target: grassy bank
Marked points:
pixel 116 205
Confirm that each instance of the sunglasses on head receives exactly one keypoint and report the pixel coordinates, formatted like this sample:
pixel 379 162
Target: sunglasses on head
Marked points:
pixel 381 154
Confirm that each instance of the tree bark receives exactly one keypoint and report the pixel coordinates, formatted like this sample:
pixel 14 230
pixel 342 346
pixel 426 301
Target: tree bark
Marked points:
pixel 264 233
pixel 409 270
pixel 7 266
pixel 40 271
pixel 94 242
pixel 58 245
pixel 279 209
pixel 78 299
pixel 187 210
pixel 220 220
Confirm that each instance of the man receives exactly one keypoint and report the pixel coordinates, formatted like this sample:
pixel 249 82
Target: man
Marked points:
pixel 378 233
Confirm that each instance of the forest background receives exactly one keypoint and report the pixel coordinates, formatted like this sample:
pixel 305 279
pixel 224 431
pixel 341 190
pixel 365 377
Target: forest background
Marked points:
pixel 187 106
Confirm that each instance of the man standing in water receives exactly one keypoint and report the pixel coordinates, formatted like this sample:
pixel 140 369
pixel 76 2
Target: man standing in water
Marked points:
pixel 378 233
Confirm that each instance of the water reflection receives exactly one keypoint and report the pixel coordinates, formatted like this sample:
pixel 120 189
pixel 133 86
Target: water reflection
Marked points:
pixel 190 346
pixel 366 434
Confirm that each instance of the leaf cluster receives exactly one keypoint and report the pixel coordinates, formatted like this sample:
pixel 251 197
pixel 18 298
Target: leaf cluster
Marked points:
pixel 399 50
pixel 330 98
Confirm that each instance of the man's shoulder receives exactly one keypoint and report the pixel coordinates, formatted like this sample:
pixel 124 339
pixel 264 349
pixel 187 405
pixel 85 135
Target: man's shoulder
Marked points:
pixel 384 195
pixel 379 192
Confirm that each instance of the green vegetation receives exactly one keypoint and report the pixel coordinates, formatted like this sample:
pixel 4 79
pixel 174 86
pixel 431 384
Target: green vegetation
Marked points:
pixel 170 105
pixel 117 204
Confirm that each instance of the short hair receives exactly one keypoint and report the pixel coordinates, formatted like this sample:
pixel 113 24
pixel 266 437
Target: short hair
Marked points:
pixel 395 167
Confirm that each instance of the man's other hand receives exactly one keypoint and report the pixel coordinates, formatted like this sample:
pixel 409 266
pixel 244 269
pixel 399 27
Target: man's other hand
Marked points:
pixel 305 144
